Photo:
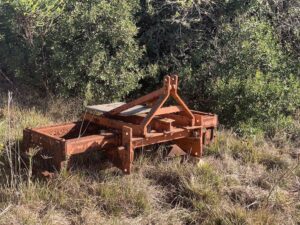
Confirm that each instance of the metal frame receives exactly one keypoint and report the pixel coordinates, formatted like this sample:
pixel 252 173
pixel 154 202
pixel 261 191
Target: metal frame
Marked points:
pixel 120 135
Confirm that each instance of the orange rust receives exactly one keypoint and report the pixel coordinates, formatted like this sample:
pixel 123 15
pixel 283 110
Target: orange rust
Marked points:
pixel 118 135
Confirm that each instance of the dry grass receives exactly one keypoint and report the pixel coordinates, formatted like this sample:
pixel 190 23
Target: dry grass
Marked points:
pixel 239 181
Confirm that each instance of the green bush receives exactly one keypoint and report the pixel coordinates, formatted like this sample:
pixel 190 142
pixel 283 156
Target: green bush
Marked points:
pixel 259 103
pixel 244 75
pixel 72 47
pixel 254 93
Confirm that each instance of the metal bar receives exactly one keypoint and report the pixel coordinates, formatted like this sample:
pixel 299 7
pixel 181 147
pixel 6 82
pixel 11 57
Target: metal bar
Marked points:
pixel 151 114
pixel 169 109
pixel 43 134
pixel 174 84
pixel 159 103
pixel 185 108
pixel 165 90
pixel 191 145
pixel 179 120
pixel 129 153
pixel 122 156
pixel 159 124
pixel 90 143
pixel 56 126
pixel 51 146
pixel 162 137
pixel 206 120
pixel 113 123
pixel 138 101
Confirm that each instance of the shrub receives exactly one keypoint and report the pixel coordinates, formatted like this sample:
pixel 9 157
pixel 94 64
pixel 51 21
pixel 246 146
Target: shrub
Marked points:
pixel 72 48
pixel 260 103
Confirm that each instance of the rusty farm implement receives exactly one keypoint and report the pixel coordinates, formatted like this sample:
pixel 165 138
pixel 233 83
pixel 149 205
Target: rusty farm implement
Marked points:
pixel 120 128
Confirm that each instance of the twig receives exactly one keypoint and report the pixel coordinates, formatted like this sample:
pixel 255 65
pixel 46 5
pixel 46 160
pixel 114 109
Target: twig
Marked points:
pixel 81 126
pixel 5 77
pixel 5 210
pixel 253 203
pixel 8 137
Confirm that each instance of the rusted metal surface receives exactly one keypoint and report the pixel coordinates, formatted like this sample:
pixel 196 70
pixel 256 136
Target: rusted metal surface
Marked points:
pixel 176 151
pixel 118 129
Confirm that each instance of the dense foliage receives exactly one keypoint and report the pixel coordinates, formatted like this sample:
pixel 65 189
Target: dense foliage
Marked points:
pixel 73 48
pixel 237 58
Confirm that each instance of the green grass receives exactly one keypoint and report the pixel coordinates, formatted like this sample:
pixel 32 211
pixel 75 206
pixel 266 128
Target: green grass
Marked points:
pixel 238 181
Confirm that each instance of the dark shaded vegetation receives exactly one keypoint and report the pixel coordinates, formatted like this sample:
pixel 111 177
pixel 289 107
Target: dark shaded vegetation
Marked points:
pixel 239 59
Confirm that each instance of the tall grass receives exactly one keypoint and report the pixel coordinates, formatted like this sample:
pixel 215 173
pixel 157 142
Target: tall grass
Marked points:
pixel 238 181
pixel 12 149
pixel 14 120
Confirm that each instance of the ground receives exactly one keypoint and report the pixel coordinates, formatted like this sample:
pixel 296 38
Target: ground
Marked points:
pixel 238 181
